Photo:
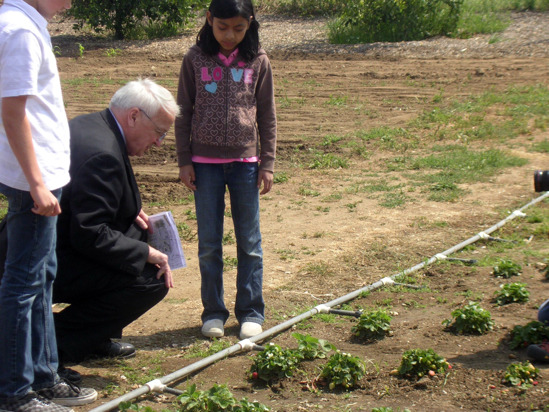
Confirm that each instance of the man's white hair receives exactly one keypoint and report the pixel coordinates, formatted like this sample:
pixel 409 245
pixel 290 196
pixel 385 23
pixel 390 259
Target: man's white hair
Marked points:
pixel 146 95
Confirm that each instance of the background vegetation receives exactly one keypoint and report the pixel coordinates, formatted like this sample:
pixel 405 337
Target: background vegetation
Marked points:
pixel 361 21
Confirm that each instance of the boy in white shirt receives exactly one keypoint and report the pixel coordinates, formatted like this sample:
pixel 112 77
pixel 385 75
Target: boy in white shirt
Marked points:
pixel 34 166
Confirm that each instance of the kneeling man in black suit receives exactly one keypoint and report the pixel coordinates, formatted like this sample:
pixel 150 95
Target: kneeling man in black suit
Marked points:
pixel 107 272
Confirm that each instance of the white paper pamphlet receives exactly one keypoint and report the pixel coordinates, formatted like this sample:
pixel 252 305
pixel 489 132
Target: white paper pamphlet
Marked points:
pixel 165 238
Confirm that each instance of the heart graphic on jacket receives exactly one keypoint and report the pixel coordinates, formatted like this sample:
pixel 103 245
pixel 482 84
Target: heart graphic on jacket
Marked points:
pixel 212 87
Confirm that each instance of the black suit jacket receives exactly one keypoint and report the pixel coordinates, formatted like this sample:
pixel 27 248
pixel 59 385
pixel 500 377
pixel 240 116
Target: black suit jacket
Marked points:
pixel 96 230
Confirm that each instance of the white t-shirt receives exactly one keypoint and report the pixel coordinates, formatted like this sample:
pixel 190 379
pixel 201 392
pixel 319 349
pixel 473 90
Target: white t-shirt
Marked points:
pixel 28 68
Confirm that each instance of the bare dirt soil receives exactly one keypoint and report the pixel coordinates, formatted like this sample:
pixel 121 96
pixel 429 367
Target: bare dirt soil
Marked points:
pixel 324 237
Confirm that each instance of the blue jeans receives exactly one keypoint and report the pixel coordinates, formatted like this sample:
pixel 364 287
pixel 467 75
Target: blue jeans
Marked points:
pixel 543 312
pixel 28 349
pixel 241 180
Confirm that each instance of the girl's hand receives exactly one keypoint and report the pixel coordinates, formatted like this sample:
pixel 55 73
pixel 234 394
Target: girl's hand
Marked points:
pixel 266 178
pixel 187 176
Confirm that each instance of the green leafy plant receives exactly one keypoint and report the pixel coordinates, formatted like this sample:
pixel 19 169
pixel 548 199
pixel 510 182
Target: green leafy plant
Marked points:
pixel 512 293
pixel 506 268
pixel 274 363
pixel 521 374
pixel 129 406
pixel 394 20
pixel 312 348
pixel 471 319
pixel 343 369
pixel 247 406
pixel 531 333
pixel 419 362
pixel 112 52
pixel 216 399
pixel 372 325
pixel 80 50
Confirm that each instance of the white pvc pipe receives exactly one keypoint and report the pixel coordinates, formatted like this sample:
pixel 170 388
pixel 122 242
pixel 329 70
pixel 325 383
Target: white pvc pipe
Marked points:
pixel 158 385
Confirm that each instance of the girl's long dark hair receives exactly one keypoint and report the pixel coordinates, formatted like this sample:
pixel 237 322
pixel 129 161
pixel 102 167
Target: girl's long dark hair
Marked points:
pixel 226 9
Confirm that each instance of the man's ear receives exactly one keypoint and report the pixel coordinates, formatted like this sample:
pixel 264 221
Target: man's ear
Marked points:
pixel 132 116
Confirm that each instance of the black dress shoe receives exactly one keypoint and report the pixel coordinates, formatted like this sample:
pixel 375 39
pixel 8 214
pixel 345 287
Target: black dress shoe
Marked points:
pixel 120 350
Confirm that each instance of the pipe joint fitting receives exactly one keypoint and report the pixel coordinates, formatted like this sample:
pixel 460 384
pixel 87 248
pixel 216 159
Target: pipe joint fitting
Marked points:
pixel 322 309
pixel 483 235
pixel 387 281
pixel 246 345
pixel 518 213
pixel 156 386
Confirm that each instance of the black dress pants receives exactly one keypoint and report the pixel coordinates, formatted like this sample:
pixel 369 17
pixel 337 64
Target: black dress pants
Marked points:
pixel 102 302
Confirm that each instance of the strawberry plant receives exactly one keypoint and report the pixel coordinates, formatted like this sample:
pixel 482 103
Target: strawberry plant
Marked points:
pixel 512 293
pixel 216 399
pixel 471 319
pixel 506 268
pixel 531 333
pixel 343 369
pixel 312 348
pixel 419 362
pixel 274 363
pixel 247 406
pixel 372 325
pixel 521 374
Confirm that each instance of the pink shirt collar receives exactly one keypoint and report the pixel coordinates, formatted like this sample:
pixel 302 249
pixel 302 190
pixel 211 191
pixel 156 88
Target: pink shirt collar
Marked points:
pixel 228 60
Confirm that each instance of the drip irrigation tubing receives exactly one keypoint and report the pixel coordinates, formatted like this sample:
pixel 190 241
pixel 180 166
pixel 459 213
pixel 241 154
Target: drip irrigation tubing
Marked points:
pixel 159 385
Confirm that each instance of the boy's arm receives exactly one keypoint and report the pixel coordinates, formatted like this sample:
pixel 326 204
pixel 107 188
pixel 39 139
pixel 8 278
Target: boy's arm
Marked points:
pixel 19 136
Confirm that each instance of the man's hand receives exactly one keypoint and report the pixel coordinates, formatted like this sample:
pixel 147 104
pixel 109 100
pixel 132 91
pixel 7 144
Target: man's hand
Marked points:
pixel 160 260
pixel 187 176
pixel 266 178
pixel 142 221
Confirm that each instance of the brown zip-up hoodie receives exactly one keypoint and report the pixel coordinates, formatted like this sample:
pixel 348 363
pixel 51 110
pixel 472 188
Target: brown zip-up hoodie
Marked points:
pixel 227 112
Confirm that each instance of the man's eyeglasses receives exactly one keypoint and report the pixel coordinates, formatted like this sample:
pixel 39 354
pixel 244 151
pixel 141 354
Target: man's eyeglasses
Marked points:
pixel 157 129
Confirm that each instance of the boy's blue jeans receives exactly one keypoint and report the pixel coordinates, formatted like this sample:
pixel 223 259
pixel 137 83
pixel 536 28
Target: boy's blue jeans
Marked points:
pixel 241 180
pixel 28 349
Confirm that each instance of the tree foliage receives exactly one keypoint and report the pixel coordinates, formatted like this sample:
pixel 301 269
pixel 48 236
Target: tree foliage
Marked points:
pixel 123 16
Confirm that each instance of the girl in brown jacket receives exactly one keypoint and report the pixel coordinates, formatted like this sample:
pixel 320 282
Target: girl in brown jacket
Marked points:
pixel 226 138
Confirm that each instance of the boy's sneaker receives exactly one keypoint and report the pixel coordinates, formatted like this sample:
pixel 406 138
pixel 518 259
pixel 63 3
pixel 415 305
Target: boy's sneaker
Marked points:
pixel 32 402
pixel 68 394
pixel 69 375
pixel 539 352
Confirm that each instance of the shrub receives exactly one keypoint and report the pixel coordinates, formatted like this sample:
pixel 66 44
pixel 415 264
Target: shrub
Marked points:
pixel 367 21
pixel 372 325
pixel 343 369
pixel 124 16
pixel 472 319
pixel 274 363
pixel 520 374
pixel 506 268
pixel 512 293
pixel 419 362
pixel 531 333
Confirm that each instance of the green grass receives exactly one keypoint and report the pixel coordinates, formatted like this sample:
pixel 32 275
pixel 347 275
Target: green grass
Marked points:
pixel 456 164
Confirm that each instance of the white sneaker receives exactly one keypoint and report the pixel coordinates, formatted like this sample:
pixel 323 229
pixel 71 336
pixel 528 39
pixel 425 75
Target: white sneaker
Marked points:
pixel 249 329
pixel 213 328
